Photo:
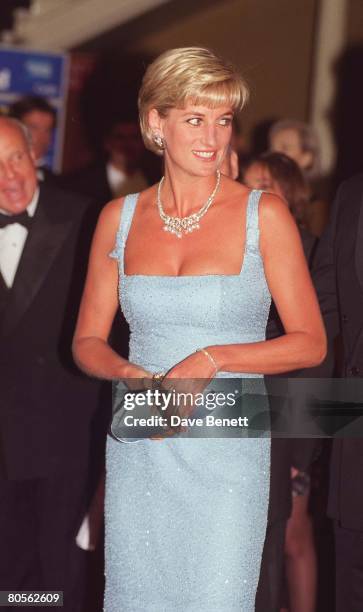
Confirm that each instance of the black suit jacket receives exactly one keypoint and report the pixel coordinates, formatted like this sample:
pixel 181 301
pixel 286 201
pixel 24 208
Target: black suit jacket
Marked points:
pixel 338 277
pixel 92 182
pixel 46 404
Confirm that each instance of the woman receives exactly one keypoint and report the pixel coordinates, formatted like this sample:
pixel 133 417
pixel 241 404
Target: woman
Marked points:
pixel 279 174
pixel 186 518
pixel 299 141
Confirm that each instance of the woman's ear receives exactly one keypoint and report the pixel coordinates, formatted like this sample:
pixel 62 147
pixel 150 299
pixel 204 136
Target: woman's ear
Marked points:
pixel 155 122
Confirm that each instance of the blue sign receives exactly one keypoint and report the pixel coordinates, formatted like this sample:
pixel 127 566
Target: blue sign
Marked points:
pixel 36 73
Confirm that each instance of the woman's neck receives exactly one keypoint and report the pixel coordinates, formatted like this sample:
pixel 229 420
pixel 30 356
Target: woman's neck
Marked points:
pixel 183 194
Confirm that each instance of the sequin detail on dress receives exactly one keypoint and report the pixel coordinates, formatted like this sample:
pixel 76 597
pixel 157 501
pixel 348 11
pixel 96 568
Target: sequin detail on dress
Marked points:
pixel 186 518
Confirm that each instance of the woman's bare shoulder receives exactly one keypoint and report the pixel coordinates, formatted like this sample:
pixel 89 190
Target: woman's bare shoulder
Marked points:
pixel 233 191
pixel 233 187
pixel 111 213
pixel 273 209
pixel 277 225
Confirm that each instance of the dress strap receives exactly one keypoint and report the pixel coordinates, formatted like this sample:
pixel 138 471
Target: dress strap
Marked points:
pixel 252 221
pixel 127 214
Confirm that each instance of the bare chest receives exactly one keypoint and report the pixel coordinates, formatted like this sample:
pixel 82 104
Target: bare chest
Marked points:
pixel 217 247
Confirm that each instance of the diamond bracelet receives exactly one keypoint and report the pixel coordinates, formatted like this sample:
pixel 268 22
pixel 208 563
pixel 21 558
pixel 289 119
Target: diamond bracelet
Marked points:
pixel 209 356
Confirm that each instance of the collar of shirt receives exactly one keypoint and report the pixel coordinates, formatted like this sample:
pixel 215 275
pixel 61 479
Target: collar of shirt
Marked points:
pixel 12 241
pixel 115 177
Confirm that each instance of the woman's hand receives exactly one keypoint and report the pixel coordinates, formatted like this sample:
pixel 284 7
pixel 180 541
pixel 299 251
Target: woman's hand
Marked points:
pixel 136 378
pixel 190 376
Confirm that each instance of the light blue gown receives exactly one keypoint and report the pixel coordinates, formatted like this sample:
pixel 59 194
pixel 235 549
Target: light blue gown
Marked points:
pixel 186 518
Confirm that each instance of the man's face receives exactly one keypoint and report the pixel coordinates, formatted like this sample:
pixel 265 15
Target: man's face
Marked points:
pixel 18 179
pixel 40 126
pixel 288 141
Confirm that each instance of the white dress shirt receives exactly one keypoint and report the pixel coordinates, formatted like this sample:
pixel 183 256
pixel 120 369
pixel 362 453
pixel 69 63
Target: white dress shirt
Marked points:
pixel 115 178
pixel 12 241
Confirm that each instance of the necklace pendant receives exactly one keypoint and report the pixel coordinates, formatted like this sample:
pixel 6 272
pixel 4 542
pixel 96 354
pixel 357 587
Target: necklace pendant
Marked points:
pixel 185 225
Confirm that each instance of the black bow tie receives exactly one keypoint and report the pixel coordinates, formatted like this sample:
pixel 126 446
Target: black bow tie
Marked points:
pixel 23 218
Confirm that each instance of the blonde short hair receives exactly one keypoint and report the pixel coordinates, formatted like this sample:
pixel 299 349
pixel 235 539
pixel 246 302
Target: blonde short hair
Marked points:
pixel 188 74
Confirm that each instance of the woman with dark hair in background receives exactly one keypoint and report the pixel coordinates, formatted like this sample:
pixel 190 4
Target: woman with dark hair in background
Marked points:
pixel 279 174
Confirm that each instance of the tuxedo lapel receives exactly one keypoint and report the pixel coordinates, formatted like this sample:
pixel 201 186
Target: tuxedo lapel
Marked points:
pixel 359 246
pixel 45 238
pixel 4 293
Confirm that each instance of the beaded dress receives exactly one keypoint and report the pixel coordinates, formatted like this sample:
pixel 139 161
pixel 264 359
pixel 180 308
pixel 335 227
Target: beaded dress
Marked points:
pixel 186 518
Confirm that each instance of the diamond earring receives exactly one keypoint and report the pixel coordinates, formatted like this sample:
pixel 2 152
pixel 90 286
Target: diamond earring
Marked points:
pixel 159 141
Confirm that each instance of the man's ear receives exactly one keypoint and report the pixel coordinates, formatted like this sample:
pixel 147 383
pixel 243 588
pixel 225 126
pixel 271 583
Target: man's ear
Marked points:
pixel 32 155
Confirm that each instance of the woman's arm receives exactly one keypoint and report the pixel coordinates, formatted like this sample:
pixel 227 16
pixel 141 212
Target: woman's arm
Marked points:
pixel 304 342
pixel 91 350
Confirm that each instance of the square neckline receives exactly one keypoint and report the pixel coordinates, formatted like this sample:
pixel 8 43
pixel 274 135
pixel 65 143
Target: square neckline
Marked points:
pixel 188 276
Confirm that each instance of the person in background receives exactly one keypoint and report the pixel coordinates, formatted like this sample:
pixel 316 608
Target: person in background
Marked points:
pixel 40 118
pixel 299 141
pixel 119 172
pixel 338 278
pixel 46 407
pixel 279 174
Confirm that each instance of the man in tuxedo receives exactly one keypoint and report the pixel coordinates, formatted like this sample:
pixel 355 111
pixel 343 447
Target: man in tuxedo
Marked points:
pixel 338 277
pixel 119 173
pixel 46 405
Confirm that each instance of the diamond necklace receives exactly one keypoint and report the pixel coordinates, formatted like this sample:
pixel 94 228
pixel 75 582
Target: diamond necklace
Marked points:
pixel 178 225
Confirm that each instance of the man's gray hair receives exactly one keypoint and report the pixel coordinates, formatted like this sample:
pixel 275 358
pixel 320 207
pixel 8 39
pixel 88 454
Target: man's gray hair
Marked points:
pixel 21 127
pixel 25 130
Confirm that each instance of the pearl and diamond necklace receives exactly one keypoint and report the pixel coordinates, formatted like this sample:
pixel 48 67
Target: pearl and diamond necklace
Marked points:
pixel 178 225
